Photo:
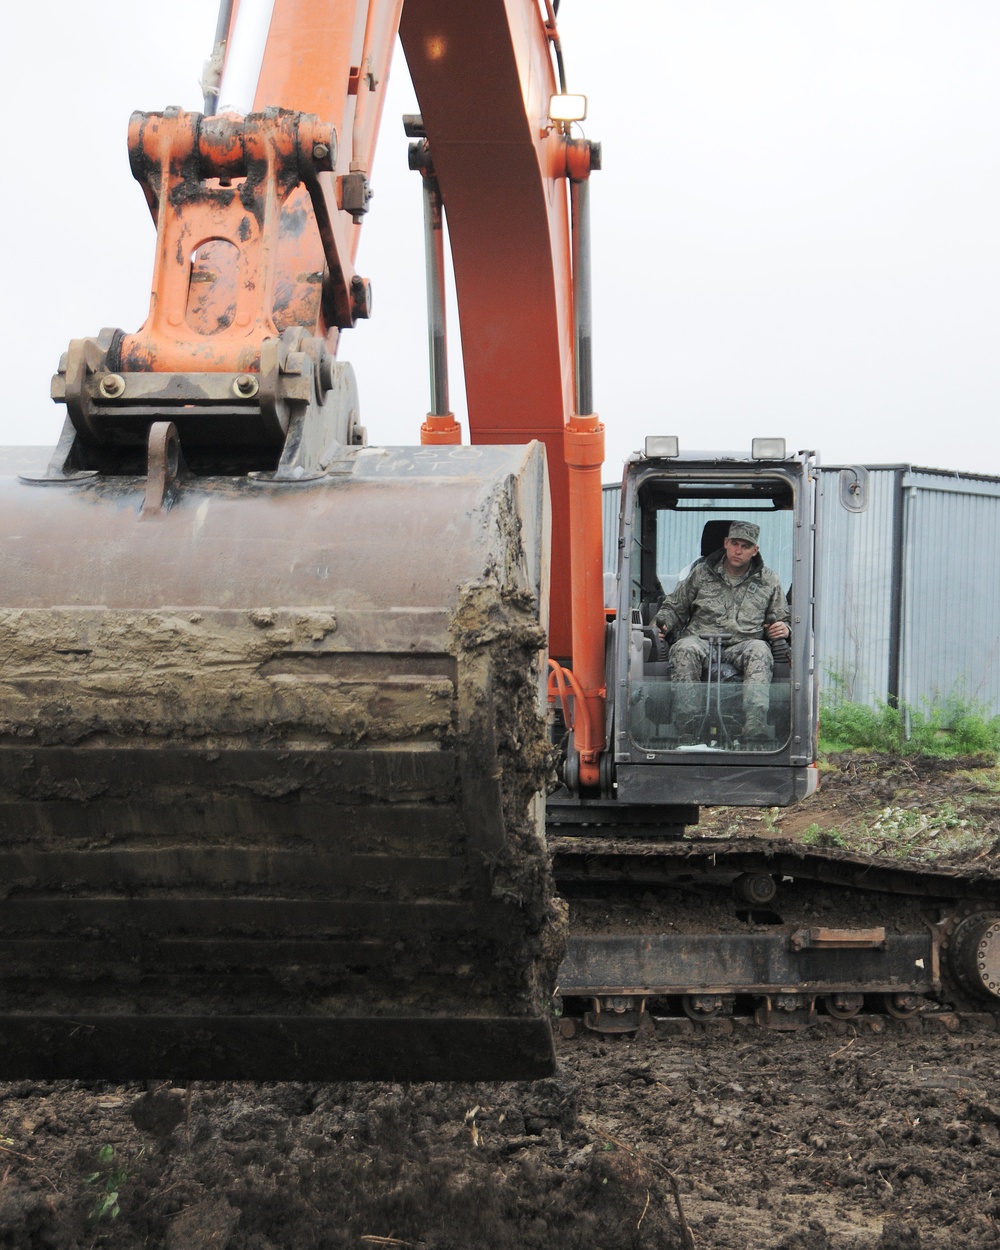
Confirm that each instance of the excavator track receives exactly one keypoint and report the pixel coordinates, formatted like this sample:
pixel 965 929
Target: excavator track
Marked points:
pixel 270 763
pixel 715 934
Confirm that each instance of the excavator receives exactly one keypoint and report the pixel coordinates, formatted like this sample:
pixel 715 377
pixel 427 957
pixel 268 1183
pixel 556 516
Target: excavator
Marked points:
pixel 327 760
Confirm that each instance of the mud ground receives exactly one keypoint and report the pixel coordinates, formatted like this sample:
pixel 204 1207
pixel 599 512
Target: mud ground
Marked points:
pixel 841 1138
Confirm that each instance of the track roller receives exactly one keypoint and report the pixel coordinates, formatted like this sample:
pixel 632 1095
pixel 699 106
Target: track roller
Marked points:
pixel 618 1013
pixel 901 1006
pixel 843 1006
pixel 702 1006
pixel 755 888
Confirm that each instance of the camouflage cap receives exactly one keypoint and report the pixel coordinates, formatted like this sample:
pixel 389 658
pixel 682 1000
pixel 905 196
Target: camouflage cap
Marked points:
pixel 745 530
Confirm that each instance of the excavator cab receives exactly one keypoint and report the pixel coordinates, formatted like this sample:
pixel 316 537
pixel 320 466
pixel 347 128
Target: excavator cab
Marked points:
pixel 686 737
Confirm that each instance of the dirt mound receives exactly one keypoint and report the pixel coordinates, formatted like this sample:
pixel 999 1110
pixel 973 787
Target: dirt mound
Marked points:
pixel 901 807
pixel 884 776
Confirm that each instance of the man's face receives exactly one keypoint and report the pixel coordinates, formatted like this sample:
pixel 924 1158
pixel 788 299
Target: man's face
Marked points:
pixel 739 553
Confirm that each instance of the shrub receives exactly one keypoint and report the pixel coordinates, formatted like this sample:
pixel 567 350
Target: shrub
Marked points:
pixel 953 726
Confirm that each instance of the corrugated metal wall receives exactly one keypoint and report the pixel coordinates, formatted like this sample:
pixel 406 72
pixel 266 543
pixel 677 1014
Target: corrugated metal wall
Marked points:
pixel 908 604
pixel 857 577
pixel 950 639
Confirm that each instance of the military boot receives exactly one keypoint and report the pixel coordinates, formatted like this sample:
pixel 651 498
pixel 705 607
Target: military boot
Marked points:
pixel 755 726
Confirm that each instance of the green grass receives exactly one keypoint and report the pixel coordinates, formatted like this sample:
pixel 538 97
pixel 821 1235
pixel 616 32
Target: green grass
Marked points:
pixel 915 827
pixel 943 831
pixel 952 726
pixel 926 835
pixel 816 835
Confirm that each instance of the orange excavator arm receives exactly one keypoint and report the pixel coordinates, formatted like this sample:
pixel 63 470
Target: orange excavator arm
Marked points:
pixel 285 683
pixel 483 76
pixel 258 219
pixel 258 216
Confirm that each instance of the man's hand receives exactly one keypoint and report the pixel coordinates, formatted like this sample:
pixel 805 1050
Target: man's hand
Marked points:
pixel 777 629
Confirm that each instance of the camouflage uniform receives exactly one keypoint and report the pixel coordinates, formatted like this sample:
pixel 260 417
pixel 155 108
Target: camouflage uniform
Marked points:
pixel 707 601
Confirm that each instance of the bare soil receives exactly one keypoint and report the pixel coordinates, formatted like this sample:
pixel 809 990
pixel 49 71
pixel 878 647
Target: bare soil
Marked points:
pixel 931 808
pixel 820 1140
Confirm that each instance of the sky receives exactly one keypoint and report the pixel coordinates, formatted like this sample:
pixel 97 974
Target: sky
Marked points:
pixel 796 228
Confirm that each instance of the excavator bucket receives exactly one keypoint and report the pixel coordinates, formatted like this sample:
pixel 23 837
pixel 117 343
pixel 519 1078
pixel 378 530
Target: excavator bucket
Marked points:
pixel 271 767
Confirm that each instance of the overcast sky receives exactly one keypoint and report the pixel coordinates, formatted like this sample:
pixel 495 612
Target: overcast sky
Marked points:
pixel 796 231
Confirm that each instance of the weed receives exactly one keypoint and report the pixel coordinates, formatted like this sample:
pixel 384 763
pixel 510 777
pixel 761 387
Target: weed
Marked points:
pixel 915 834
pixel 110 1179
pixel 908 833
pixel 951 726
pixel 771 819
pixel 815 835
pixel 983 780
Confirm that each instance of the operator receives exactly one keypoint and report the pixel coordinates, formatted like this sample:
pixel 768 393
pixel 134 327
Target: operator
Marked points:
pixel 729 592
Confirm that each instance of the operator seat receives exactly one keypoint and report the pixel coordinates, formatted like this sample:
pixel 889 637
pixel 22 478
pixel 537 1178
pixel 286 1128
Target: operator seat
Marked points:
pixel 712 534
